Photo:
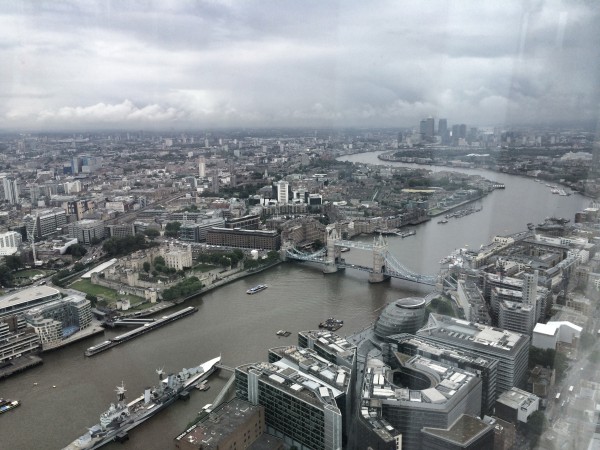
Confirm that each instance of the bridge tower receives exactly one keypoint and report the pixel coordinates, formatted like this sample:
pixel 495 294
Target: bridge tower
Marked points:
pixel 379 250
pixel 331 235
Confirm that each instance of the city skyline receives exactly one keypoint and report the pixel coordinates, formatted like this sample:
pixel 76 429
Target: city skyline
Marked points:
pixel 105 65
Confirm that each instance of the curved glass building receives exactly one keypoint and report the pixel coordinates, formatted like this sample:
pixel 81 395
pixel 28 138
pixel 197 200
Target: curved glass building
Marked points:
pixel 405 315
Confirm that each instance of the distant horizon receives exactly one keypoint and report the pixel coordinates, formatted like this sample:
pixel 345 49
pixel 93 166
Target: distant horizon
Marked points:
pixel 573 126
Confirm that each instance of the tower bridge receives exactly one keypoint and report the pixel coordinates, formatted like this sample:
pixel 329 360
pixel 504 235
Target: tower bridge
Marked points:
pixel 384 265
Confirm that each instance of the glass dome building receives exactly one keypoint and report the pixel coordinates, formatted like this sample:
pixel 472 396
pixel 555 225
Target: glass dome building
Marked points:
pixel 405 315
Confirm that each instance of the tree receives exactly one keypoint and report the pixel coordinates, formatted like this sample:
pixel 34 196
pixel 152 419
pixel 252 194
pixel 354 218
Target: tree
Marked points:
pixel 146 266
pixel 13 262
pixel 536 424
pixel 172 229
pixel 152 233
pixel 78 267
pixel 159 261
pixel 77 250
pixel 6 278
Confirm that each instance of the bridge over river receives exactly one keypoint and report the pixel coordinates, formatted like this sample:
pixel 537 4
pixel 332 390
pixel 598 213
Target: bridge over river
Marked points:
pixel 385 265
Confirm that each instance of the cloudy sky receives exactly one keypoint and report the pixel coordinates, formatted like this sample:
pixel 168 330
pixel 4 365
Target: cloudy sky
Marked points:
pixel 181 64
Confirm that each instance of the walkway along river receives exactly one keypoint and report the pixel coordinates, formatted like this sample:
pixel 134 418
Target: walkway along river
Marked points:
pixel 242 327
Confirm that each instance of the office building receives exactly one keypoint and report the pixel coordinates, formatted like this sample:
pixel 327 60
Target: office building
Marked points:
pixel 248 222
pixel 197 231
pixel 305 397
pixel 471 300
pixel 442 127
pixel 16 338
pixel 485 368
pixel 11 190
pixel 282 192
pixel 518 317
pixel 87 231
pixel 330 346
pixel 120 230
pixel 24 299
pixel 405 315
pixel 417 393
pixel 509 348
pixel 427 128
pixel 55 321
pixel 467 433
pixel 201 167
pixel 254 239
pixel 41 224
pixel 9 243
pixel 516 405
pixel 236 424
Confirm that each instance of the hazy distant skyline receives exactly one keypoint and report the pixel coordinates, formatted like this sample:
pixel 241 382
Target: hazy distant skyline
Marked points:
pixel 197 64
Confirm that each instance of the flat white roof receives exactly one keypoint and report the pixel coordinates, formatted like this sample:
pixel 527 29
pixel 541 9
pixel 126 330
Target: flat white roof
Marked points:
pixel 27 295
pixel 545 328
pixel 99 268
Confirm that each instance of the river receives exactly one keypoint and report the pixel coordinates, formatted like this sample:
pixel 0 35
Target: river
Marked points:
pixel 242 327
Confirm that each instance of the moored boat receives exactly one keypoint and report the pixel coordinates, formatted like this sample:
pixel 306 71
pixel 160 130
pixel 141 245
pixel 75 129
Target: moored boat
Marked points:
pixel 122 417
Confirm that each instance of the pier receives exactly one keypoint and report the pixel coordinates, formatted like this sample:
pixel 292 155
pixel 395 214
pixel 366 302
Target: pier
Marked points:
pixel 146 328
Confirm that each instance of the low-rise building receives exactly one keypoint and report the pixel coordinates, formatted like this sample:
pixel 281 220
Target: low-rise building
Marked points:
pixel 467 433
pixel 516 405
pixel 548 335
pixel 235 424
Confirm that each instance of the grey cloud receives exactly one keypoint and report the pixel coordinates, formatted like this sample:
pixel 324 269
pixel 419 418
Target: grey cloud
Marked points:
pixel 297 63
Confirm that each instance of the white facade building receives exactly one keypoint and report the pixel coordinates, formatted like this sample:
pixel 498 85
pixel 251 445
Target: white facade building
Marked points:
pixel 201 167
pixel 178 258
pixel 9 242
pixel 547 335
pixel 282 192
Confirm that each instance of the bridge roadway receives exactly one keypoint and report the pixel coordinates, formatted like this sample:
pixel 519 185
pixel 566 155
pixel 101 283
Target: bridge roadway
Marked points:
pixel 392 267
pixel 422 279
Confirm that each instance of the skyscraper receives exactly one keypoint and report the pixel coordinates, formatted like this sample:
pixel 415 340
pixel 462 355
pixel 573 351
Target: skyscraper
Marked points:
pixel 427 128
pixel 282 192
pixel 442 127
pixel 11 190
pixel 201 167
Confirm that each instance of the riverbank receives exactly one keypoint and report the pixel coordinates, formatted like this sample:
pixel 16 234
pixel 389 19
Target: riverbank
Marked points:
pixel 226 280
pixel 435 213
pixel 385 156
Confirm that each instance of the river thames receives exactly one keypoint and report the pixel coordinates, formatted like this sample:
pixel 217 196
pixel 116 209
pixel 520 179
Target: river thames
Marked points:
pixel 241 327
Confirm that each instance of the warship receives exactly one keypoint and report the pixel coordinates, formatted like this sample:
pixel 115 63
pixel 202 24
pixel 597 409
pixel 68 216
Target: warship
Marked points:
pixel 121 417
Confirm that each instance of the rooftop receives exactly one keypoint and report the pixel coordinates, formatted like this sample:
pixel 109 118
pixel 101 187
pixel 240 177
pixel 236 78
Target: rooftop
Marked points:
pixel 463 431
pixel 27 295
pixel 517 398
pixel 480 337
pixel 221 422
pixel 446 383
